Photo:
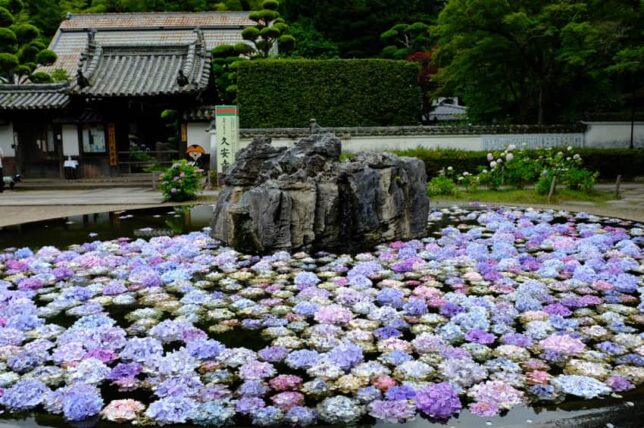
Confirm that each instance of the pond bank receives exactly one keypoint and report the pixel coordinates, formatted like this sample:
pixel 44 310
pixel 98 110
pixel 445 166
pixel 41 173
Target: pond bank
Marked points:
pixel 27 206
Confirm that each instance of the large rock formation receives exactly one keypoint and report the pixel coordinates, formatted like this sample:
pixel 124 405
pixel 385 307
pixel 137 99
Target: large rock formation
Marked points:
pixel 304 197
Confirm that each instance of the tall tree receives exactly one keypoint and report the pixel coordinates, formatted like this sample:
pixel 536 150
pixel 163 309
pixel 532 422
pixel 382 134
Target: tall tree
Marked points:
pixel 262 40
pixel 44 14
pixel 405 39
pixel 269 30
pixel 530 60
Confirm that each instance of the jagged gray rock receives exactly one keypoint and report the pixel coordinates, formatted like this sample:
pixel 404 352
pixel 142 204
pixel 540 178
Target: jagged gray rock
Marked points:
pixel 304 197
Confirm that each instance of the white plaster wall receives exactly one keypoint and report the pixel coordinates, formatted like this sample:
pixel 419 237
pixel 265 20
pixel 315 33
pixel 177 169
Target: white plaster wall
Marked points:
pixel 613 134
pixel 598 134
pixel 70 140
pixel 197 135
pixel 6 140
pixel 390 142
pixel 393 142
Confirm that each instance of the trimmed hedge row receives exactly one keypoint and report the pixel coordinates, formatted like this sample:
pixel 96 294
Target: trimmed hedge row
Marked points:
pixel 288 93
pixel 609 162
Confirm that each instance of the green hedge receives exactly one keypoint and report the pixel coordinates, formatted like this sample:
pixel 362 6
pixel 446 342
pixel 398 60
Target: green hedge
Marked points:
pixel 609 162
pixel 287 93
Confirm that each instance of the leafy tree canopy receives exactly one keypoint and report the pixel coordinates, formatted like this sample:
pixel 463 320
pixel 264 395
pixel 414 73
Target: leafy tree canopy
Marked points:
pixel 534 61
pixel 355 26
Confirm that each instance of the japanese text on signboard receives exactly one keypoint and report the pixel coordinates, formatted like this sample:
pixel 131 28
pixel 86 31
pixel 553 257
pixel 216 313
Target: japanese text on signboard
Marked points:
pixel 227 125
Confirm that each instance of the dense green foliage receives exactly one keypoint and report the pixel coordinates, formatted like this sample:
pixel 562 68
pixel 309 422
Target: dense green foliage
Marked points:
pixel 509 61
pixel 608 162
pixel 536 61
pixel 22 47
pixel 355 26
pixel 311 43
pixel 287 93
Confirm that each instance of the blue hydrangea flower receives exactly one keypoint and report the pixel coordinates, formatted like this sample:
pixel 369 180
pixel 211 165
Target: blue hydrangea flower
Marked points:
pixel 81 401
pixel 171 410
pixel 24 395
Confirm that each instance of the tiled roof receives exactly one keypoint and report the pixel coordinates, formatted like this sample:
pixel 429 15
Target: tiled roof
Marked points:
pixel 142 28
pixel 140 70
pixel 33 96
pixel 155 20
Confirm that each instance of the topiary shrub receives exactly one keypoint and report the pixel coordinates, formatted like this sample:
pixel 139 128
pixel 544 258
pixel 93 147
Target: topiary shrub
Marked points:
pixel 8 62
pixel 181 182
pixel 7 39
pixel 6 18
pixel 26 32
pixel 41 77
pixel 46 57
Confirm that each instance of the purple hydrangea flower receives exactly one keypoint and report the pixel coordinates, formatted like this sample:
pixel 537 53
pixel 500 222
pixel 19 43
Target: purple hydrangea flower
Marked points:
pixel 438 400
pixel 394 412
pixel 346 355
pixel 204 349
pixel 480 336
pixel 273 354
pixel 402 392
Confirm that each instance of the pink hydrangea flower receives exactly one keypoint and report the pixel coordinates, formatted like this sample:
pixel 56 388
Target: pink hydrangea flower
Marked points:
pixel 497 393
pixel 333 314
pixel 563 344
pixel 122 410
pixel 383 383
pixel 484 409
pixel 286 382
pixel 287 400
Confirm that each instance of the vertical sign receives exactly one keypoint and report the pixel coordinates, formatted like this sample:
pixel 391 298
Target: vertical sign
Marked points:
pixel 184 132
pixel 111 144
pixel 227 125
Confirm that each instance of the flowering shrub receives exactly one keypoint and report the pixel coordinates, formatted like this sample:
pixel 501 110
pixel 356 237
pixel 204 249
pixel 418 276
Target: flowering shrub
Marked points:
pixel 518 168
pixel 442 184
pixel 181 182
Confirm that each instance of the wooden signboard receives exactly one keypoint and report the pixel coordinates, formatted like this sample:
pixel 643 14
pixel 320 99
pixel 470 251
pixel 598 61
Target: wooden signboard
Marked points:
pixel 111 144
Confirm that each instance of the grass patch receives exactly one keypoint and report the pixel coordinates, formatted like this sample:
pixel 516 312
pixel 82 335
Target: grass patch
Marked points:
pixel 528 196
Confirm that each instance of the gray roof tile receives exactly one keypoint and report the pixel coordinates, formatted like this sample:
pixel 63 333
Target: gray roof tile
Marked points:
pixel 33 96
pixel 140 70
pixel 142 28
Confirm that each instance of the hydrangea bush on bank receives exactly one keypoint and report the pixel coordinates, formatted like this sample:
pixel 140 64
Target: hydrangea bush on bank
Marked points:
pixel 181 182
pixel 509 307
pixel 519 168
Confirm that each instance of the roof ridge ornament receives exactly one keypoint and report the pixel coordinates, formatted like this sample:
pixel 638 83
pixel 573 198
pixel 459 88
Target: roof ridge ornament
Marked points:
pixel 91 36
pixel 201 41
pixel 182 80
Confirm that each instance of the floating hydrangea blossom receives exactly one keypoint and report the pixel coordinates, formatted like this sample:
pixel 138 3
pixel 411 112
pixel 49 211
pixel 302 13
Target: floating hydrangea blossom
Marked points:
pixel 491 310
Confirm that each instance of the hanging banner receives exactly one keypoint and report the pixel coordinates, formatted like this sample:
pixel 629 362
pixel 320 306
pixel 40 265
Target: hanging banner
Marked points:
pixel 227 126
pixel 112 153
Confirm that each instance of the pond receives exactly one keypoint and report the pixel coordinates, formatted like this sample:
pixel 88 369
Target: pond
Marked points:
pixel 153 287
